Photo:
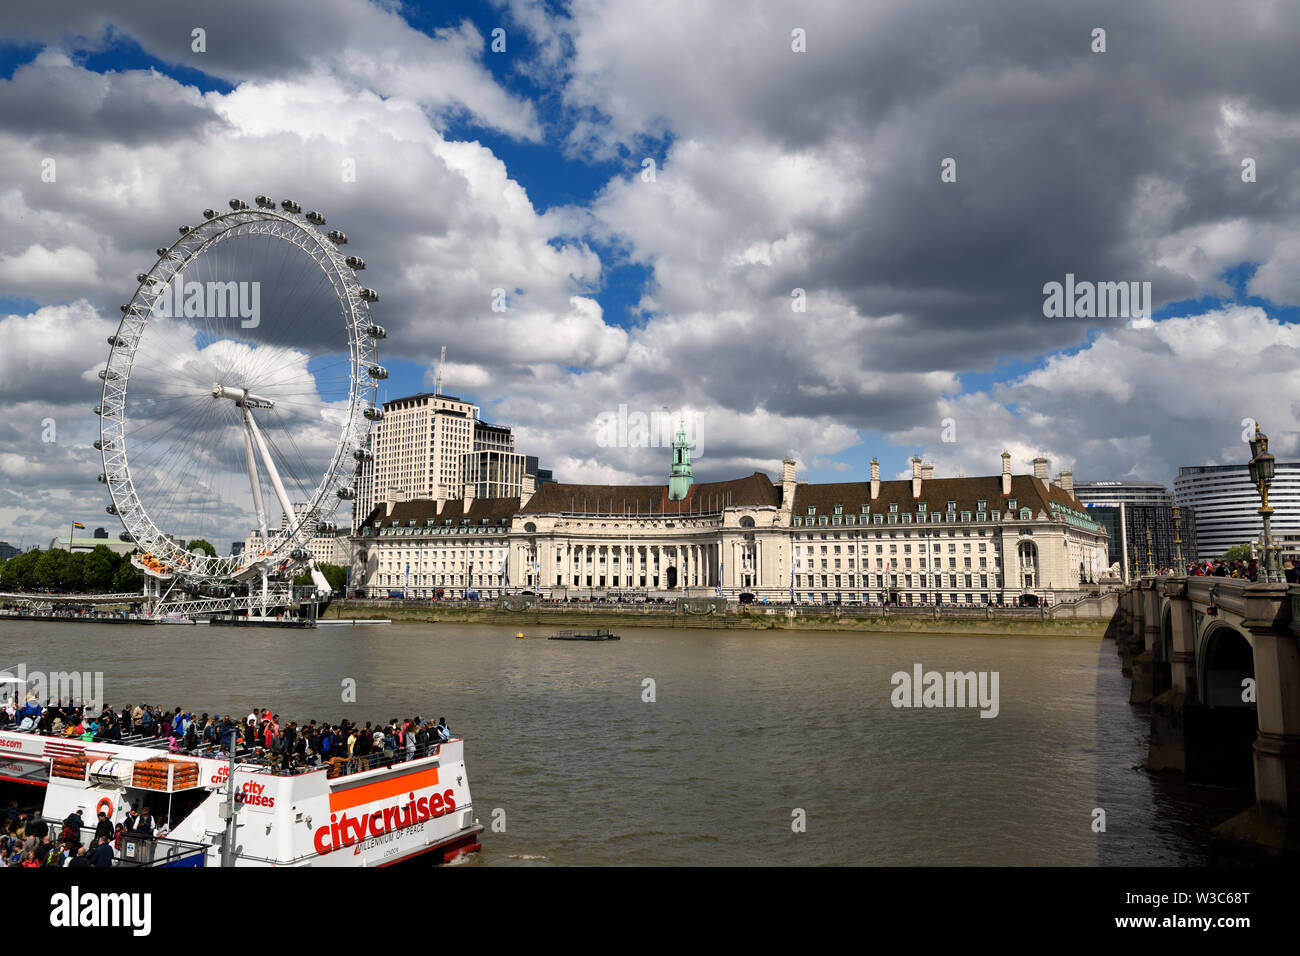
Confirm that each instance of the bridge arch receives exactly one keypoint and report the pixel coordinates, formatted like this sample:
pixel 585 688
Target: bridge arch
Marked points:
pixel 1224 659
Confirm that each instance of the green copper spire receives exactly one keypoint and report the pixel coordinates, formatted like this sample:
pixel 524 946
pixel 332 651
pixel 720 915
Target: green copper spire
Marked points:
pixel 680 478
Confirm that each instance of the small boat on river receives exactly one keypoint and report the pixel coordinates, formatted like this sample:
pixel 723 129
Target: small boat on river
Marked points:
pixel 599 634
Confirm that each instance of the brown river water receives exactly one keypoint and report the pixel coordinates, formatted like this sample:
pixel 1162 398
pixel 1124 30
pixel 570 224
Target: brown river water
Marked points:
pixel 748 734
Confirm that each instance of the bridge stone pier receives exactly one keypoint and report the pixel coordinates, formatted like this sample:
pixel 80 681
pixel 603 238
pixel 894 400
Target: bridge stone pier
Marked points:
pixel 1217 662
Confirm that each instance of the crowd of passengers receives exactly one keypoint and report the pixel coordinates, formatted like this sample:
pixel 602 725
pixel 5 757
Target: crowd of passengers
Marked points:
pixel 32 842
pixel 261 737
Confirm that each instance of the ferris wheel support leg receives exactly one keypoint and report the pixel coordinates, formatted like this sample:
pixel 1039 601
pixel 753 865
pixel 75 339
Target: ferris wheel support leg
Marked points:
pixel 269 465
pixel 264 594
pixel 252 476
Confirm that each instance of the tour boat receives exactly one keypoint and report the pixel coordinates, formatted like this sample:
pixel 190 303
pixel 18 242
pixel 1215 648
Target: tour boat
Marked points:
pixel 412 809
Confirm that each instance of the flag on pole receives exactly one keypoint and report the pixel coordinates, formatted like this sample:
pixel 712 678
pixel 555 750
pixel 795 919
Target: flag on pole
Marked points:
pixel 78 524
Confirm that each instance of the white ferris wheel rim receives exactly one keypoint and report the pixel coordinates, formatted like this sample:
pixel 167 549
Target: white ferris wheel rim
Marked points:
pixel 281 544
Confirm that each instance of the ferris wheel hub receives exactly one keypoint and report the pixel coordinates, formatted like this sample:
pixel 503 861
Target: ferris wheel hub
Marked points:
pixel 241 397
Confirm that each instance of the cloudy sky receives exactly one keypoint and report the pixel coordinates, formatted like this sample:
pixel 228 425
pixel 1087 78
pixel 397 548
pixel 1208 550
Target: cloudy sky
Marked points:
pixel 649 183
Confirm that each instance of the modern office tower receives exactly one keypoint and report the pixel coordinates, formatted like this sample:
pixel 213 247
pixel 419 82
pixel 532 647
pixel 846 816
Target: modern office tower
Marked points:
pixel 1226 504
pixel 1127 510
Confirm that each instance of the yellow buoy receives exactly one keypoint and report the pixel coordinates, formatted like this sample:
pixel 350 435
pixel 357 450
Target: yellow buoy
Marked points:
pixel 519 634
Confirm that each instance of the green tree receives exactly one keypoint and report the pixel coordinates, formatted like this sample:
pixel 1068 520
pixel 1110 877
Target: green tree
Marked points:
pixel 19 572
pixel 50 568
pixel 101 563
pixel 203 546
pixel 73 576
pixel 126 577
pixel 336 576
pixel 1238 552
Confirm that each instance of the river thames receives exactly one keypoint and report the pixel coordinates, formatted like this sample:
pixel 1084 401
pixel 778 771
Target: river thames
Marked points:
pixel 570 763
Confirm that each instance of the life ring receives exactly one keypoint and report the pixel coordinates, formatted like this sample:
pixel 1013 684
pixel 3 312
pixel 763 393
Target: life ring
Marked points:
pixel 99 808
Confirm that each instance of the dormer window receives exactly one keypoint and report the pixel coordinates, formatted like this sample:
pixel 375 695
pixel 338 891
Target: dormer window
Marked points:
pixel 1011 505
pixel 981 505
pixel 893 509
pixel 866 508
pixel 839 509
pixel 812 511
pixel 920 506
pixel 1025 514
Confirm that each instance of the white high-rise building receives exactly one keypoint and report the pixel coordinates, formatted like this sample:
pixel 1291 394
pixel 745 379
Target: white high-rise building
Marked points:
pixel 418 447
pixel 1226 504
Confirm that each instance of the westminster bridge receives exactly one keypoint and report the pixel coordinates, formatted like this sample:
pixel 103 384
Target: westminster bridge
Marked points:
pixel 1216 659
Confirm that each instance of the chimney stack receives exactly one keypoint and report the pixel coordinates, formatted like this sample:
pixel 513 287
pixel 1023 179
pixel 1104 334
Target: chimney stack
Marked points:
pixel 1006 474
pixel 1066 480
pixel 875 479
pixel 927 471
pixel 788 483
pixel 527 489
pixel 1040 468
pixel 916 476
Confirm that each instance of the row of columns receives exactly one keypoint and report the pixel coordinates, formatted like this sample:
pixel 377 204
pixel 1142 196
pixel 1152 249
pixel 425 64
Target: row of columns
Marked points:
pixel 696 564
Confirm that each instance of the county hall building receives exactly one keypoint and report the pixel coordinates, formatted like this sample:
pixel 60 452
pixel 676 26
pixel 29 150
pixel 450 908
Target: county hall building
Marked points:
pixel 923 540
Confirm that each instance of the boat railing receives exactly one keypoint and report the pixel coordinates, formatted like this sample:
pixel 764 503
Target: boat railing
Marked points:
pixel 158 851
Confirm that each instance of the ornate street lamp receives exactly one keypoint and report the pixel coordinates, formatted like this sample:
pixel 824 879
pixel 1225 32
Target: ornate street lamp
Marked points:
pixel 1180 566
pixel 1262 469
pixel 1151 568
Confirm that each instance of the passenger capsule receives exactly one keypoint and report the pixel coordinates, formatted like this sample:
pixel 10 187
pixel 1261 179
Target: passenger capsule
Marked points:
pixel 336 237
pixel 374 414
pixel 377 371
pixel 288 205
pixel 347 494
pixel 266 202
pixel 361 454
pixel 326 527
pixel 370 295
pixel 300 554
pixel 315 218
pixel 103 479
pixel 183 230
pixel 377 332
pixel 111 509
pixel 238 204
pixel 107 375
pixel 161 252
pixel 355 263
pixel 209 214
pixel 116 341
pixel 124 537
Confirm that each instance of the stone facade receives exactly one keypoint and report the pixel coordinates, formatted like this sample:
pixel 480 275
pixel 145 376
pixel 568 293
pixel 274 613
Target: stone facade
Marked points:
pixel 997 539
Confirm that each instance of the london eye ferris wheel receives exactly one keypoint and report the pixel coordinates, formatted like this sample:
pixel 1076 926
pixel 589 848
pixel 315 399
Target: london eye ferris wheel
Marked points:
pixel 238 393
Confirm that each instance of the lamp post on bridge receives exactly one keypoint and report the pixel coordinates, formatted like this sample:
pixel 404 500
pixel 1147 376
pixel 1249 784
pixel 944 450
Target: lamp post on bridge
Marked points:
pixel 1151 568
pixel 1262 469
pixel 1180 565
